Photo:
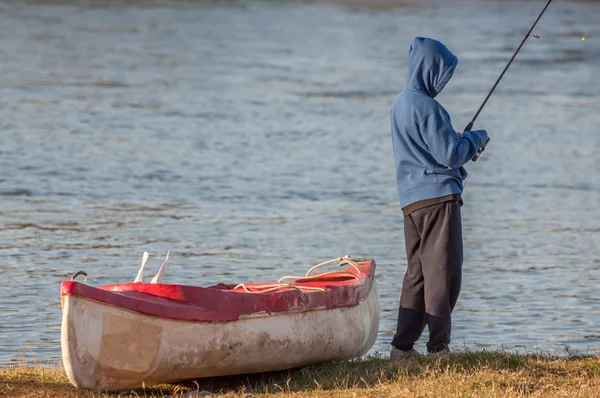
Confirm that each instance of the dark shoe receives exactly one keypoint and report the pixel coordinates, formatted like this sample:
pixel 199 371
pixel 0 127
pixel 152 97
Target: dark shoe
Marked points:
pixel 398 355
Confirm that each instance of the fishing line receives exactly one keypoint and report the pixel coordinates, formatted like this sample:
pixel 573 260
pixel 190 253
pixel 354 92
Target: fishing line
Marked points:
pixel 472 122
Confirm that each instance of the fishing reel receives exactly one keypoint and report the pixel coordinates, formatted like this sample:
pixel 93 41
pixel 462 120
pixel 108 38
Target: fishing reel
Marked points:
pixel 481 149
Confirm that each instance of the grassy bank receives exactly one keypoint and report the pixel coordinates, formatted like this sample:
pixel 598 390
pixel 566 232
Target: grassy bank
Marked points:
pixel 467 374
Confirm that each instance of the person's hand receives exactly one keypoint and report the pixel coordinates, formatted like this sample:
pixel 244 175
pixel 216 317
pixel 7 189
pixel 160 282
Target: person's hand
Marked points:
pixel 481 149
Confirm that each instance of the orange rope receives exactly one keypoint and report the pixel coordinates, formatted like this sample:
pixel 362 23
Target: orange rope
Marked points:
pixel 277 286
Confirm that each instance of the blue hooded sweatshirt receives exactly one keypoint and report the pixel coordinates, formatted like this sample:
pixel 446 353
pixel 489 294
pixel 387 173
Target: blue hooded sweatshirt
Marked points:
pixel 427 149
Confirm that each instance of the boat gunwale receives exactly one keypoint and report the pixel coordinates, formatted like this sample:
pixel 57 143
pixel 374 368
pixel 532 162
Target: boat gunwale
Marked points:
pixel 212 304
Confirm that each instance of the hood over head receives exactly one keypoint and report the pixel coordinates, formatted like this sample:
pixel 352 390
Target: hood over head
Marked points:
pixel 430 66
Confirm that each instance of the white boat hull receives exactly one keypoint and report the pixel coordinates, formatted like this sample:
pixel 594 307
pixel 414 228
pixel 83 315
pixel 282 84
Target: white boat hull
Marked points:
pixel 105 347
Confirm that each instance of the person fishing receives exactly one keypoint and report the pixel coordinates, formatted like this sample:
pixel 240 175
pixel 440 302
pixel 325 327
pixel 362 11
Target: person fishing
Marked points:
pixel 429 156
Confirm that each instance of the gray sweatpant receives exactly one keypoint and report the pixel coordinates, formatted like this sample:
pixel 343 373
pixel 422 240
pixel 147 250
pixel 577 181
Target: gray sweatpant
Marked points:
pixel 431 286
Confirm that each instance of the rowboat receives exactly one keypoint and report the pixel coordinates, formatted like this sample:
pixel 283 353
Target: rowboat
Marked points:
pixel 130 335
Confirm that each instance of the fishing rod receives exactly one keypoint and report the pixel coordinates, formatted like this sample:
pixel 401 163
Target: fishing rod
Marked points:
pixel 472 122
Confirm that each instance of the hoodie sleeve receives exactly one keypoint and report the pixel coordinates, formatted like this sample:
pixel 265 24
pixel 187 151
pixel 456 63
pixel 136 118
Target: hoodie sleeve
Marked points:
pixel 444 144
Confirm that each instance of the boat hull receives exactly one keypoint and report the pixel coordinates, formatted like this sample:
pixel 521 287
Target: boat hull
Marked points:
pixel 106 347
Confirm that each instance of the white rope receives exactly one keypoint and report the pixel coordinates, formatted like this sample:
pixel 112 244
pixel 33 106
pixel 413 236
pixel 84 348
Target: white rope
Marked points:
pixel 275 286
pixel 341 261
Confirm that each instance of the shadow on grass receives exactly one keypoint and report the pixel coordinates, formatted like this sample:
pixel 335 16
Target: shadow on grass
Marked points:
pixel 373 371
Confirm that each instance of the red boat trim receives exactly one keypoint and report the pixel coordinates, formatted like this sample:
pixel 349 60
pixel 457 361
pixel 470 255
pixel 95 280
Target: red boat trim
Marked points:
pixel 220 303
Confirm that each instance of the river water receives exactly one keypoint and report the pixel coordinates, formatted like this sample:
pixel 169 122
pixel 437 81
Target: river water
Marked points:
pixel 252 139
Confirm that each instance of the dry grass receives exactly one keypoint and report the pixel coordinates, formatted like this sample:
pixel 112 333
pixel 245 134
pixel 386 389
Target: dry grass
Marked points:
pixel 465 374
